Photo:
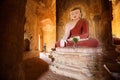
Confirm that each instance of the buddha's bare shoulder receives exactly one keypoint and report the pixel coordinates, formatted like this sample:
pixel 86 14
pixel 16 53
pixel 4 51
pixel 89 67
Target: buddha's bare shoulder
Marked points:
pixel 69 23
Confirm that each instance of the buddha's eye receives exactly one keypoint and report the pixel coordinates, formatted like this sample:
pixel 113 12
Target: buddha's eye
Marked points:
pixel 76 12
pixel 72 14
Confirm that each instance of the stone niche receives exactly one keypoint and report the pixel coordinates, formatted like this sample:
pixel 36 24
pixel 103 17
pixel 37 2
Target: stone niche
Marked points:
pixel 40 26
pixel 98 14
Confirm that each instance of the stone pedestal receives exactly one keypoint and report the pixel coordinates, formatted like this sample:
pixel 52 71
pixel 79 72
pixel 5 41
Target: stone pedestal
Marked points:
pixel 78 50
pixel 78 63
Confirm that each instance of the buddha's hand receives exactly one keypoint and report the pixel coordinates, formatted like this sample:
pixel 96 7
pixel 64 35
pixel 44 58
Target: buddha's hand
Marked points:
pixel 78 37
pixel 62 42
pixel 71 38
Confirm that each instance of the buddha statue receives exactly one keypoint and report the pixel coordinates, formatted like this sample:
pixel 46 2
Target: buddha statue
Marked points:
pixel 77 27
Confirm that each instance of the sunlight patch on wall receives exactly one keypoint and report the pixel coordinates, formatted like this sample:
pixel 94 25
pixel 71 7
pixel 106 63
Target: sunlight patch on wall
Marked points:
pixel 116 19
pixel 47 24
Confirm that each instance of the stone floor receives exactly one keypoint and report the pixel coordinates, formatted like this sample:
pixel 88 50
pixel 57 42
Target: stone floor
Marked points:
pixel 37 69
pixel 49 75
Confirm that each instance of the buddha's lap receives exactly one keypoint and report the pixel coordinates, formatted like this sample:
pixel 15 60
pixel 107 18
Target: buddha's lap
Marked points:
pixel 91 42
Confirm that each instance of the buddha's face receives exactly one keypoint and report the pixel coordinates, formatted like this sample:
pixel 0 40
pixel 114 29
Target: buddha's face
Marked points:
pixel 75 14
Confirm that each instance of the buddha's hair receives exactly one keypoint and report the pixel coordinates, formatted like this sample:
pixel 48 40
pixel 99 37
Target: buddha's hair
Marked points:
pixel 75 8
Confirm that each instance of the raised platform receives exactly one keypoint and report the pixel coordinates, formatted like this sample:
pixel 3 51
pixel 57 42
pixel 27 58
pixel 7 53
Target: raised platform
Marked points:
pixel 79 49
pixel 78 63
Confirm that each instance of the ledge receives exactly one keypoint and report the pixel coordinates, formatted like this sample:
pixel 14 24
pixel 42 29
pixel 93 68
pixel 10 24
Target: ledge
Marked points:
pixel 79 49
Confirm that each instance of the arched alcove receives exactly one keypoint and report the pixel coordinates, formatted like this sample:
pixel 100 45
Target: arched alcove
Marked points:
pixel 40 23
pixel 26 45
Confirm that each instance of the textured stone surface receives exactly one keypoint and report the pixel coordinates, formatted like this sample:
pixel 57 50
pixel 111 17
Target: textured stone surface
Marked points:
pixel 82 66
pixel 73 66
pixel 78 50
pixel 93 71
pixel 37 69
pixel 50 75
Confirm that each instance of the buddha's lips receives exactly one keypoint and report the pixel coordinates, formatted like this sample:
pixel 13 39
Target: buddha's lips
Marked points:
pixel 74 16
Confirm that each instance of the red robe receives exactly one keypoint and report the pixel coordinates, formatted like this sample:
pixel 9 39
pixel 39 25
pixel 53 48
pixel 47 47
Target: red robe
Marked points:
pixel 81 29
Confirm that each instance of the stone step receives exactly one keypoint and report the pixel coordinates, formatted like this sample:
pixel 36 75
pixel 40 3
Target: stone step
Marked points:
pixel 79 63
pixel 79 73
pixel 79 49
pixel 73 72
pixel 76 59
pixel 73 68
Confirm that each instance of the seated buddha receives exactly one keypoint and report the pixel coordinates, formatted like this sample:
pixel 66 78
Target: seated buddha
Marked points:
pixel 78 28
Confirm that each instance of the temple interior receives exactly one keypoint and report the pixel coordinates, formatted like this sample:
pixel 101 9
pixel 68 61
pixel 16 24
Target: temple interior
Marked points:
pixel 30 29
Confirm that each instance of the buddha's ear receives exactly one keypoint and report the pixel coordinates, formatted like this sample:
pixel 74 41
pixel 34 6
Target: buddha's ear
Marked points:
pixel 81 15
pixel 69 16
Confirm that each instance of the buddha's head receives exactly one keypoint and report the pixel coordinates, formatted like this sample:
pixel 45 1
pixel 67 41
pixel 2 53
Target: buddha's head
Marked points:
pixel 75 13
